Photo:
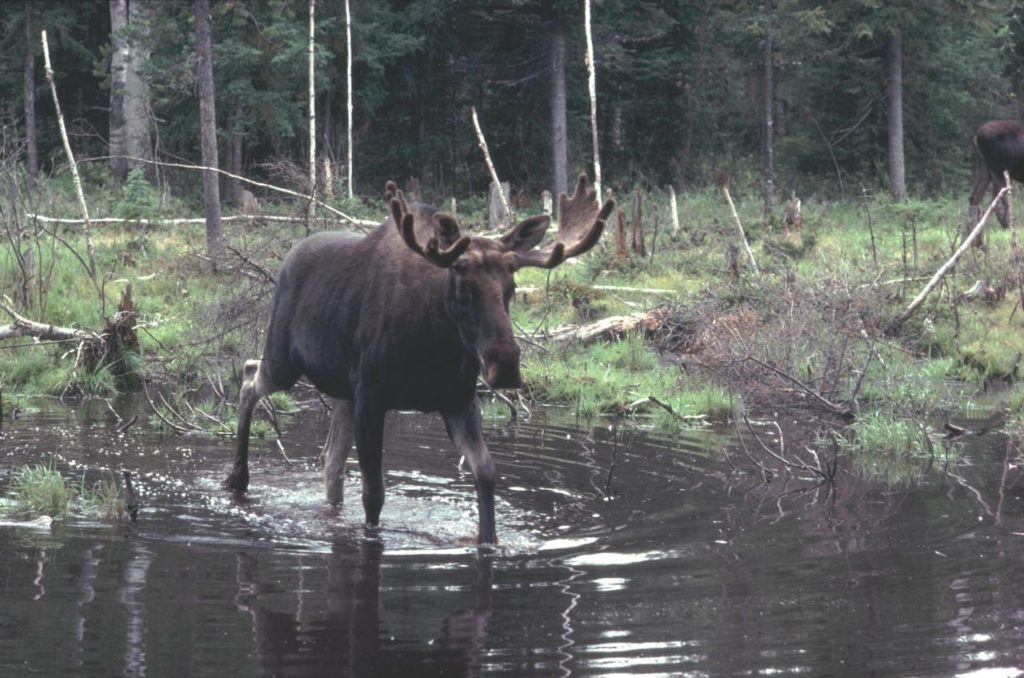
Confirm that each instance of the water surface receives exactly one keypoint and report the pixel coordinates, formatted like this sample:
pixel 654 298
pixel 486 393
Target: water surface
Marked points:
pixel 622 553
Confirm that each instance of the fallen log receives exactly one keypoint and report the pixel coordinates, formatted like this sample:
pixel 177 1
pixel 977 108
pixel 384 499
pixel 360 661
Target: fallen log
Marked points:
pixel 22 327
pixel 607 329
pixel 31 216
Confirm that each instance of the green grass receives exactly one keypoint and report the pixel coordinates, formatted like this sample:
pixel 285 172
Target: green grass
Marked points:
pixel 882 433
pixel 193 322
pixel 102 499
pixel 607 378
pixel 40 490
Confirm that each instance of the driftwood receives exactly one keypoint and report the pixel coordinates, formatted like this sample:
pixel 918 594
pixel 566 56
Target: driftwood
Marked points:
pixel 527 294
pixel 981 289
pixel 977 427
pixel 174 222
pixel 607 329
pixel 946 267
pixel 23 327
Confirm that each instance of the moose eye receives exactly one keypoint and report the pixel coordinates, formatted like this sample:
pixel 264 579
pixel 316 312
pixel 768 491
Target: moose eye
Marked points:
pixel 465 292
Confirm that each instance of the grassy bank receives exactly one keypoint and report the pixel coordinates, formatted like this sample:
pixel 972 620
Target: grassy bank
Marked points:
pixel 812 328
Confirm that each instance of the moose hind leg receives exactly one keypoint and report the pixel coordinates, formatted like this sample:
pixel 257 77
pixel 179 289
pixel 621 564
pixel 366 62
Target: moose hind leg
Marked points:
pixel 255 385
pixel 339 441
pixel 465 430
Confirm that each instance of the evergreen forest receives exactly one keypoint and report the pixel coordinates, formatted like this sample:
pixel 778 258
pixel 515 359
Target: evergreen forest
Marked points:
pixel 684 89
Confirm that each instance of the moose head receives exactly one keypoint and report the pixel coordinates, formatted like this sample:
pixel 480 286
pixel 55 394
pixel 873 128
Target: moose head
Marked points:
pixel 481 270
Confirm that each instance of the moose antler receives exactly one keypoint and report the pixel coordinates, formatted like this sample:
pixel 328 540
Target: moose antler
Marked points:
pixel 580 224
pixel 446 229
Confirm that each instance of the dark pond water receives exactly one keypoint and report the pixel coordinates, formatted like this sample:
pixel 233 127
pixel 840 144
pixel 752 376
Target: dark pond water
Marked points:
pixel 679 561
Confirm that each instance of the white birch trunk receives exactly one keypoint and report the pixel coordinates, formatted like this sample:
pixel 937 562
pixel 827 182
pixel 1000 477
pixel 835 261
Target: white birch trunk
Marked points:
pixel 490 165
pixel 674 209
pixel 348 81
pixel 311 209
pixel 71 159
pixel 592 86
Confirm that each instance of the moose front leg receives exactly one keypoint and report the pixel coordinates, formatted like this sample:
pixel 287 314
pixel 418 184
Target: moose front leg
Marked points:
pixel 255 385
pixel 339 441
pixel 465 430
pixel 368 425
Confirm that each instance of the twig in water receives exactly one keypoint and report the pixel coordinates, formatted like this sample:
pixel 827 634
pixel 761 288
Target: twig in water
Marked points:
pixel 785 462
pixel 611 464
pixel 513 414
pixel 269 408
pixel 159 414
pixel 844 412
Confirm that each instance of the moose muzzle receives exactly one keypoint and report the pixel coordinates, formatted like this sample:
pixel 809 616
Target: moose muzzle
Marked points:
pixel 500 367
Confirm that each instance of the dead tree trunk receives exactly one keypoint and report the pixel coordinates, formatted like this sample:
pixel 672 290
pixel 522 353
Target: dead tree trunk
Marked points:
pixel 30 95
pixel 75 178
pixel 639 244
pixel 620 234
pixel 497 206
pixel 673 207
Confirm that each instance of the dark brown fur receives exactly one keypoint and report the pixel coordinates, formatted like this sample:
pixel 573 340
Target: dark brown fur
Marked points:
pixel 998 148
pixel 406 318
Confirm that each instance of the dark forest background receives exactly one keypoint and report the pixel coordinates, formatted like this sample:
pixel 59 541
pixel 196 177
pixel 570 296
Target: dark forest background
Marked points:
pixel 681 89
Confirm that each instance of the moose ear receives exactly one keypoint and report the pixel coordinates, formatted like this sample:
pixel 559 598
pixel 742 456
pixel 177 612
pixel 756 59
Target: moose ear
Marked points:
pixel 447 229
pixel 526 235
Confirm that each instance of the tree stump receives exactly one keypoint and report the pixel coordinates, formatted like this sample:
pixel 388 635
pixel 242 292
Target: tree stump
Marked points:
pixel 497 215
pixel 639 245
pixel 793 217
pixel 620 235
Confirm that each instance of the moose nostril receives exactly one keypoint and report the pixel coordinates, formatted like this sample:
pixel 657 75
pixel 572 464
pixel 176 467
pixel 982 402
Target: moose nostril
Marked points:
pixel 501 367
pixel 503 376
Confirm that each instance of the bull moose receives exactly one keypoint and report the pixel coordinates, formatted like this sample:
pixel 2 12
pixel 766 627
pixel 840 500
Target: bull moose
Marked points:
pixel 407 317
pixel 998 148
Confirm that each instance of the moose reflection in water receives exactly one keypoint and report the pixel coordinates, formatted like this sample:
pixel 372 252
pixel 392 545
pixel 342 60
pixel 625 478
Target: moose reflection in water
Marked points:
pixel 385 322
pixel 348 634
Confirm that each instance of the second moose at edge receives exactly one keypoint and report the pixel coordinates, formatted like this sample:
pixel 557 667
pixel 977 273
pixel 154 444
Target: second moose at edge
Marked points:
pixel 406 318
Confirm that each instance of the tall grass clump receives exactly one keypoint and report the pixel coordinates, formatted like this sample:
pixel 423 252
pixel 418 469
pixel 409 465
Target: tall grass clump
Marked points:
pixel 40 490
pixel 882 432
pixel 102 499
